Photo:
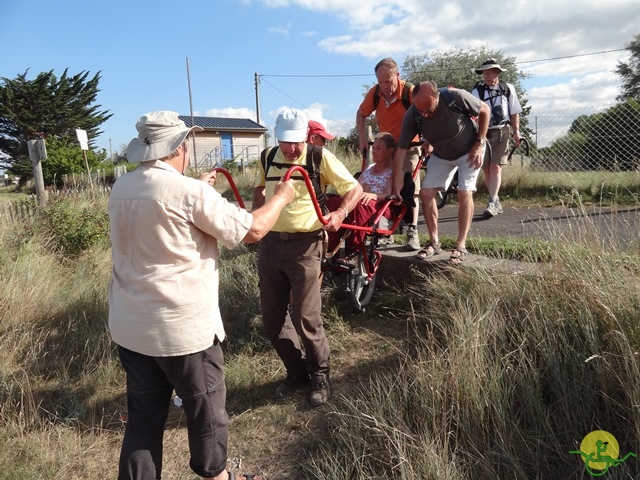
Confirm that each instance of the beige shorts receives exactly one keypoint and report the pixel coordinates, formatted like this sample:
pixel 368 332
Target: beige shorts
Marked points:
pixel 498 138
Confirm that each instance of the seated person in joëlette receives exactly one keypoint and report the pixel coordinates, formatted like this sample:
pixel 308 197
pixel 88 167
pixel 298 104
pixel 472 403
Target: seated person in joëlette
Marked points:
pixel 376 183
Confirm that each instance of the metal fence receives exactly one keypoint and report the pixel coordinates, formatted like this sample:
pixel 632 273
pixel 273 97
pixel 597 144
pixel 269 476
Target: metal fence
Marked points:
pixel 217 157
pixel 595 138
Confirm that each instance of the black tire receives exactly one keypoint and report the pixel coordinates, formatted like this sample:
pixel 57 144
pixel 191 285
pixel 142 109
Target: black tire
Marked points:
pixel 441 199
pixel 359 291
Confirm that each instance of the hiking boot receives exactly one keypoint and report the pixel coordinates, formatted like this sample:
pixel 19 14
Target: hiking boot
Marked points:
pixel 291 383
pixel 413 240
pixel 320 389
pixel 493 208
pixel 385 241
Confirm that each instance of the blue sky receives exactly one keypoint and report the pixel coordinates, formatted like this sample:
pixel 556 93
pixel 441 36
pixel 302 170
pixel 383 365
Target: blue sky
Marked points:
pixel 141 49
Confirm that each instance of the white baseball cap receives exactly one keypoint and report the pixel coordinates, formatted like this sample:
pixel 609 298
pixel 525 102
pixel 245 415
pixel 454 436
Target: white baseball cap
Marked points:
pixel 291 126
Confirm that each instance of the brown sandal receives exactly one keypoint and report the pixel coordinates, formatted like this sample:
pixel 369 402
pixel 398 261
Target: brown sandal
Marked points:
pixel 458 255
pixel 429 251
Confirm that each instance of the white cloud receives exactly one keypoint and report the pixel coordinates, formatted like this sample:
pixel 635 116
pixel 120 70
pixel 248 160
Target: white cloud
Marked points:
pixel 280 30
pixel 230 112
pixel 527 30
pixel 571 31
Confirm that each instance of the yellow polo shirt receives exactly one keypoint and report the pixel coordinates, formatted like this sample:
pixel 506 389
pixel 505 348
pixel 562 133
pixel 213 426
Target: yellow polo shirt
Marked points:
pixel 300 215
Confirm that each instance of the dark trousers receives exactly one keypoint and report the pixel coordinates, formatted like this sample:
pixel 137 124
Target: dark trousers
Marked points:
pixel 361 215
pixel 198 380
pixel 289 267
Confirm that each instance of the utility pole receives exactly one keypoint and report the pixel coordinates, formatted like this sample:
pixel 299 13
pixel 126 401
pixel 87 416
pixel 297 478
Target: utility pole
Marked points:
pixel 193 136
pixel 257 82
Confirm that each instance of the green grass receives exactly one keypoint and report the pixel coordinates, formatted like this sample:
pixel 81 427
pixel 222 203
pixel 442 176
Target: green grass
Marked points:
pixel 467 373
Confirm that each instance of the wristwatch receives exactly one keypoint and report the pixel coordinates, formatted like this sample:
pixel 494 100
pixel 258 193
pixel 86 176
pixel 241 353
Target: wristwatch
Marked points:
pixel 481 141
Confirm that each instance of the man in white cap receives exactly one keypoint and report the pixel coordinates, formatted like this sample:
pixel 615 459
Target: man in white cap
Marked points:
pixel 163 297
pixel 290 257
pixel 505 108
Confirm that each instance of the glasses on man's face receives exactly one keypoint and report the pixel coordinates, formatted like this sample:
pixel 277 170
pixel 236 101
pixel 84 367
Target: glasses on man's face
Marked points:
pixel 424 113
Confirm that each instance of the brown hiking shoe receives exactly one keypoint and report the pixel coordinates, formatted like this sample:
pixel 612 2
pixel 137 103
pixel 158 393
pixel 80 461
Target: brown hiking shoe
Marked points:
pixel 291 383
pixel 320 389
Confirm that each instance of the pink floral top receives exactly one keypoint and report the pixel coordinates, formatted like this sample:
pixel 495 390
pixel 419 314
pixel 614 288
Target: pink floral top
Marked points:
pixel 375 183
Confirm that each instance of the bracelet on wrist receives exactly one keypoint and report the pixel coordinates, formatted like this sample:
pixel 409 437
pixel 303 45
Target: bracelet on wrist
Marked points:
pixel 346 213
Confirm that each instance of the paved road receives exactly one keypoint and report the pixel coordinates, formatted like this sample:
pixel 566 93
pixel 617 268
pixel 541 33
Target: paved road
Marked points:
pixel 620 225
pixel 617 227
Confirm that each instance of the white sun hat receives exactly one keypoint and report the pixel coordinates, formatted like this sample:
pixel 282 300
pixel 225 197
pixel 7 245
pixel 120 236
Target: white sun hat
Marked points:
pixel 159 135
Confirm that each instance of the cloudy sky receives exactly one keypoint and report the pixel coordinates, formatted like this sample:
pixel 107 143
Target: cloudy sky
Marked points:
pixel 308 54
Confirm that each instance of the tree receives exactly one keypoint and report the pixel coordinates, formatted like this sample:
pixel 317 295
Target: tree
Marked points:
pixel 456 68
pixel 630 72
pixel 65 157
pixel 46 106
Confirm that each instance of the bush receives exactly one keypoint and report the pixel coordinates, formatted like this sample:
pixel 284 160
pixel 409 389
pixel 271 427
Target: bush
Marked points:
pixel 75 223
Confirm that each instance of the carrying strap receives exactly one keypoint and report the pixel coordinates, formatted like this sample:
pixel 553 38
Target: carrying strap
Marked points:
pixel 503 90
pixel 314 157
pixel 406 90
pixel 450 100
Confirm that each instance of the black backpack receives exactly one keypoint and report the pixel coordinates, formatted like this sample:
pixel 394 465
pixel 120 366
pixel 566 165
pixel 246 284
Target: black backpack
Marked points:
pixel 314 157
pixel 503 90
pixel 405 96
pixel 499 112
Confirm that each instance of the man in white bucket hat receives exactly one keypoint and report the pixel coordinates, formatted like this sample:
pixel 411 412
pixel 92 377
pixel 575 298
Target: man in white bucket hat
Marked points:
pixel 163 297
pixel 290 255
pixel 505 107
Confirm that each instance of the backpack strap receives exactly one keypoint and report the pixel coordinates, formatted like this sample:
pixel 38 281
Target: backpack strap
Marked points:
pixel 266 159
pixel 314 157
pixel 450 100
pixel 313 160
pixel 376 97
pixel 406 91
pixel 503 89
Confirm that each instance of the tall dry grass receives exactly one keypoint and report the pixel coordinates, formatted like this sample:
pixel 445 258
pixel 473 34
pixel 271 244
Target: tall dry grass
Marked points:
pixel 471 374
pixel 59 380
pixel 504 374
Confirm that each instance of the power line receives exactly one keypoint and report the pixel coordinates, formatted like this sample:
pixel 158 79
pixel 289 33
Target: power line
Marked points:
pixel 288 96
pixel 572 56
pixel 425 71
pixel 372 74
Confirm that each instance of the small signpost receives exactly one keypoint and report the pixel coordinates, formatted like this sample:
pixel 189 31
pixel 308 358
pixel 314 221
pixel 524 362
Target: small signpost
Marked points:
pixel 84 145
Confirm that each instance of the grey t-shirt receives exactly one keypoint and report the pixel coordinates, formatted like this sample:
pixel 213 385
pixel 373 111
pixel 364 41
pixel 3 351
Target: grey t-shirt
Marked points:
pixel 451 133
